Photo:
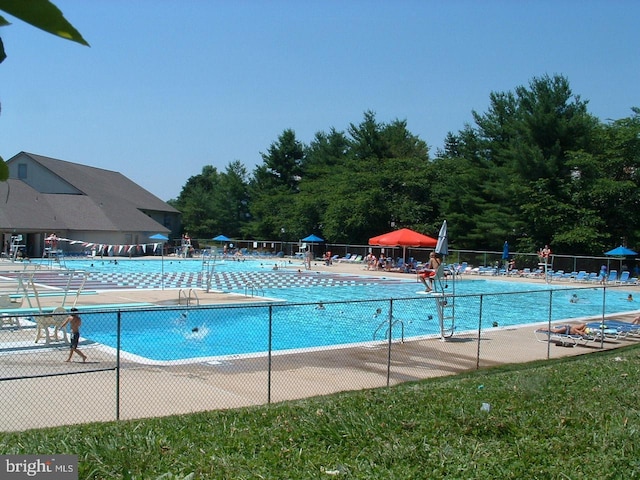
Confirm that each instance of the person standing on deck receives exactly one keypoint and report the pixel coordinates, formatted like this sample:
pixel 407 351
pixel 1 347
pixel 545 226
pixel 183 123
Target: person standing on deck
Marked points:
pixel 75 322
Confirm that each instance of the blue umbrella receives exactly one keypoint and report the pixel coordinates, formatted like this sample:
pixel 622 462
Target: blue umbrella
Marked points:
pixel 442 247
pixel 221 238
pixel 163 238
pixel 313 238
pixel 621 252
pixel 505 251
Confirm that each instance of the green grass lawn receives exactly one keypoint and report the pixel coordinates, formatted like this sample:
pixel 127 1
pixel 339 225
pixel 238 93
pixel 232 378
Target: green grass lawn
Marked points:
pixel 573 418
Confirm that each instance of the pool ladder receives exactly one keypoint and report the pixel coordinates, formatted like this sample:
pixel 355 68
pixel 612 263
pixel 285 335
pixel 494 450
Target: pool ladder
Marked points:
pixel 187 296
pixel 254 288
pixel 445 303
pixel 393 324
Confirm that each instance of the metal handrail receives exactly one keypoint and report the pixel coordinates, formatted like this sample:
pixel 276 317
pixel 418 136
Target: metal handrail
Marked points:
pixel 386 333
pixel 254 289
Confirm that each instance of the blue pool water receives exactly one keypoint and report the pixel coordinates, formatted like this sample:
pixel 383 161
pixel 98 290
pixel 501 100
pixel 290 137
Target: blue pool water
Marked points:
pixel 168 265
pixel 178 334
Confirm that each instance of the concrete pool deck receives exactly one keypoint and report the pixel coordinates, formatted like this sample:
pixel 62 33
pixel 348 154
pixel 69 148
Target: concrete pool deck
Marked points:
pixel 154 390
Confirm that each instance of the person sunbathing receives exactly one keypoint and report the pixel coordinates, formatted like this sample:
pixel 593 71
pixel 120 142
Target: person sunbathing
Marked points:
pixel 579 329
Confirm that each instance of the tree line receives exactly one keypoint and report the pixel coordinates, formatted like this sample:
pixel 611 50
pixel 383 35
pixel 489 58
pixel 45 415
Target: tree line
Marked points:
pixel 536 168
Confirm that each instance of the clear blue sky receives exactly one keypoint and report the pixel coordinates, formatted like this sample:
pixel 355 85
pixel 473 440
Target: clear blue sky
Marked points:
pixel 170 86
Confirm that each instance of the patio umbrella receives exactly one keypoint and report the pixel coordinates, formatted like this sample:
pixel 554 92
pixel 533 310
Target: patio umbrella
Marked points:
pixel 404 238
pixel 163 238
pixel 312 239
pixel 221 238
pixel 505 251
pixel 442 247
pixel 620 252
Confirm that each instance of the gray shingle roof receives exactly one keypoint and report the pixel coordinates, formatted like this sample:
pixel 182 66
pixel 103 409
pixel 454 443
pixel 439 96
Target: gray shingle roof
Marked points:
pixel 111 202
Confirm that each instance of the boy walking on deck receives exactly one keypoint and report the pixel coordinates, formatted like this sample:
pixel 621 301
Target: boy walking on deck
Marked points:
pixel 75 322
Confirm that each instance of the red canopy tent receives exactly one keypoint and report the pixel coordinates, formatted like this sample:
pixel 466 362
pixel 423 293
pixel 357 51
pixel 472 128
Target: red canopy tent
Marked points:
pixel 404 238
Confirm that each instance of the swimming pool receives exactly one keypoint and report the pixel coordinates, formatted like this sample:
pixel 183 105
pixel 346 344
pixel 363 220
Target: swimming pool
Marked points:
pixel 158 264
pixel 352 314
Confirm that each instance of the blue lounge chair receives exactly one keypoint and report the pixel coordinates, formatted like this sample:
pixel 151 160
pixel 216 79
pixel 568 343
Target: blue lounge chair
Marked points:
pixel 593 277
pixel 580 277
pixel 624 277
pixel 345 258
pixel 613 328
pixel 613 276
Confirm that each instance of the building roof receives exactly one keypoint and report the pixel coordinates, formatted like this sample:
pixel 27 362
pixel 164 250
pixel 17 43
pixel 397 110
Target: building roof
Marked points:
pixel 109 201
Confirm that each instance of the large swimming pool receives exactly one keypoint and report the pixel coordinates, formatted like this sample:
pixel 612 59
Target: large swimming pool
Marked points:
pixel 355 308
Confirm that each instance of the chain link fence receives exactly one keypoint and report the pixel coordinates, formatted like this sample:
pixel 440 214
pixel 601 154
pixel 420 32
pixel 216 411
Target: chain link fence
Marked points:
pixel 146 362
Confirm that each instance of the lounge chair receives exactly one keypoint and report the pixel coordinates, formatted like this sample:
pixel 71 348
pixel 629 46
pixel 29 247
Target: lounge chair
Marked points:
pixel 593 277
pixel 624 277
pixel 613 276
pixel 614 328
pixel 344 259
pixel 565 339
pixel 399 266
pixel 580 277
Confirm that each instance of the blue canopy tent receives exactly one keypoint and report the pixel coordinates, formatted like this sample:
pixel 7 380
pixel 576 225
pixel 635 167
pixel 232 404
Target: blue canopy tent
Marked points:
pixel 163 238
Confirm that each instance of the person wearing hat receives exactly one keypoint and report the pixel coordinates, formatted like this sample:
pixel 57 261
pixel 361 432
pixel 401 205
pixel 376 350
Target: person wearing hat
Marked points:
pixel 75 322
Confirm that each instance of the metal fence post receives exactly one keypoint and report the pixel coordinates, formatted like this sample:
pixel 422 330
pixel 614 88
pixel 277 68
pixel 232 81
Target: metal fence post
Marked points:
pixel 550 318
pixel 479 333
pixel 269 354
pixel 118 350
pixel 390 340
pixel 604 312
